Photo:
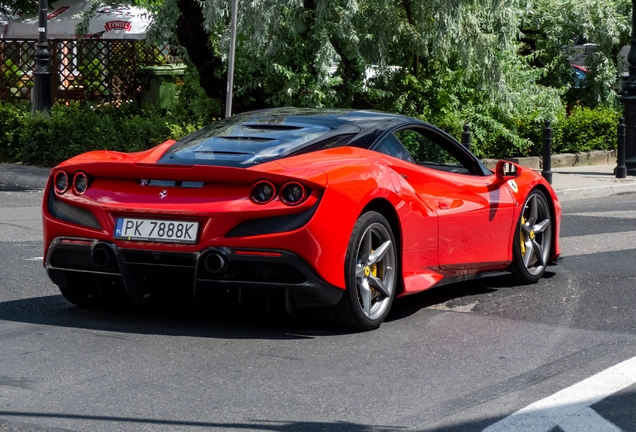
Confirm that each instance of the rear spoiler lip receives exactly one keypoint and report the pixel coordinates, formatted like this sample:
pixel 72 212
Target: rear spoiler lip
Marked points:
pixel 197 173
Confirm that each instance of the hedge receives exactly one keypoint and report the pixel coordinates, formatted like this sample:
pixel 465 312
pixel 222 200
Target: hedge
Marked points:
pixel 46 140
pixel 73 129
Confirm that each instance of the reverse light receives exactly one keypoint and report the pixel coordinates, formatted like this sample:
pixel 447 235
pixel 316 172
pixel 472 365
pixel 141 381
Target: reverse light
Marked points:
pixel 80 183
pixel 60 182
pixel 263 192
pixel 293 193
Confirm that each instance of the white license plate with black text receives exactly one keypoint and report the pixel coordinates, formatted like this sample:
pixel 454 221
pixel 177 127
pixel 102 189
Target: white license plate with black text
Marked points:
pixel 156 230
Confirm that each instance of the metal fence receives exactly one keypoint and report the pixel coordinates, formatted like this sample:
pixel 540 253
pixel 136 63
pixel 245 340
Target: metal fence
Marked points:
pixel 95 70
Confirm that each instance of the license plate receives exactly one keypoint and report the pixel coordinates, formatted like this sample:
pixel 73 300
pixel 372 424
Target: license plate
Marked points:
pixel 156 230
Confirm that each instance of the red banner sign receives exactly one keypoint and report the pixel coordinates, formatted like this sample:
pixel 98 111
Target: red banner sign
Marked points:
pixel 118 25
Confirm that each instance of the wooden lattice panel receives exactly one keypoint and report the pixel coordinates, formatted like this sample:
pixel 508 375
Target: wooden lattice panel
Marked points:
pixel 87 69
pixel 16 69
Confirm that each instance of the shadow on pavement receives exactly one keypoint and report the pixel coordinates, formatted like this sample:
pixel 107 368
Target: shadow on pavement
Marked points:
pixel 458 294
pixel 617 409
pixel 254 322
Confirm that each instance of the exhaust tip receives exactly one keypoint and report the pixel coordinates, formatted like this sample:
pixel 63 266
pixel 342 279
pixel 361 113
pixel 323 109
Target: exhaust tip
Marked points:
pixel 102 255
pixel 215 263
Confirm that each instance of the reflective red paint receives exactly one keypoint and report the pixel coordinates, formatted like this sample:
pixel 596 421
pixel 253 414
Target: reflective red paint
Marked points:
pixel 446 224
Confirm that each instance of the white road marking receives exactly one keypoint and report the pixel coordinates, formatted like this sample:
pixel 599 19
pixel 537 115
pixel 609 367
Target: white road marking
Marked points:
pixel 34 259
pixel 570 408
pixel 596 243
pixel 621 214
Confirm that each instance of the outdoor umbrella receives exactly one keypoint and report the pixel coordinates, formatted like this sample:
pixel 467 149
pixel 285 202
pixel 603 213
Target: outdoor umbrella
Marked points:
pixel 121 22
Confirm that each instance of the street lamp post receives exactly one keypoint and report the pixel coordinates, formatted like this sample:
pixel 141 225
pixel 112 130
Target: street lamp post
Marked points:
pixel 629 101
pixel 230 63
pixel 41 95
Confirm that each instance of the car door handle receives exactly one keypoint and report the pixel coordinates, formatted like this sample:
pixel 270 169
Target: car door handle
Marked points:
pixel 404 176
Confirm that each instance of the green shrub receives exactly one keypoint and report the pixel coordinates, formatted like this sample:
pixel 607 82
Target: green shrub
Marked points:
pixel 12 118
pixel 586 129
pixel 69 130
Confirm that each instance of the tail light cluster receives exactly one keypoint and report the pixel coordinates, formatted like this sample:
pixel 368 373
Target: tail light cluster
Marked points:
pixel 62 183
pixel 291 193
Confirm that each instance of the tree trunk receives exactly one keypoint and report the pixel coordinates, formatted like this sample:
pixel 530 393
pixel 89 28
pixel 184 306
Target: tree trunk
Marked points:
pixel 194 38
pixel 411 20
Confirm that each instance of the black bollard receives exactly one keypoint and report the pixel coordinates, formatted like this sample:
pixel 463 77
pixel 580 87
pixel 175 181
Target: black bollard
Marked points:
pixel 621 169
pixel 466 136
pixel 547 152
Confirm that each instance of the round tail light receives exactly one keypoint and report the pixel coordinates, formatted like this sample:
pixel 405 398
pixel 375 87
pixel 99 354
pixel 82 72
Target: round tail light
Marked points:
pixel 293 193
pixel 263 192
pixel 60 182
pixel 80 183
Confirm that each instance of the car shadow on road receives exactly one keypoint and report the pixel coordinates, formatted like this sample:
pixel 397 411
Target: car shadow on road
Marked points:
pixel 183 318
pixel 459 296
pixel 179 318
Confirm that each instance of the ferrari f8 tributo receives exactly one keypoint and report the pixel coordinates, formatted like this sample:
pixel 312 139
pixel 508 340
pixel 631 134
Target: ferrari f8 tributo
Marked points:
pixel 338 209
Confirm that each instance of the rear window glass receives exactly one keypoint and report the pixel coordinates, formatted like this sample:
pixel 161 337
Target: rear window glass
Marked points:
pixel 232 143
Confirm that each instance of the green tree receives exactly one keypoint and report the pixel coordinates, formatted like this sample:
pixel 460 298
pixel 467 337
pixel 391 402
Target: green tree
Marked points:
pixel 551 28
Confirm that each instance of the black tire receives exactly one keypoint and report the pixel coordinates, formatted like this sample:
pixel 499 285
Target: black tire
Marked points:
pixel 367 276
pixel 532 244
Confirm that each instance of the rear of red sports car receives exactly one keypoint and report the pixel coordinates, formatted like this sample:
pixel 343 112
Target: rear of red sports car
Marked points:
pixel 305 206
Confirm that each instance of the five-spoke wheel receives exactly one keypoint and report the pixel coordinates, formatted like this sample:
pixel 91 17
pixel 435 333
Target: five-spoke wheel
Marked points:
pixel 371 270
pixel 533 242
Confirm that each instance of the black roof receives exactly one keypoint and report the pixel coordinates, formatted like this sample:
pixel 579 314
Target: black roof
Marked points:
pixel 256 137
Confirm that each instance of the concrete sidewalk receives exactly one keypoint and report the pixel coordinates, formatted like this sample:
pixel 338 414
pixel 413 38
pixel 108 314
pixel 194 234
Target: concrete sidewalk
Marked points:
pixel 571 183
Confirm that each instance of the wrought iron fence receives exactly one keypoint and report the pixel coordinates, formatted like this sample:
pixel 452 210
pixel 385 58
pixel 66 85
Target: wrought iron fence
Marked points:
pixel 87 69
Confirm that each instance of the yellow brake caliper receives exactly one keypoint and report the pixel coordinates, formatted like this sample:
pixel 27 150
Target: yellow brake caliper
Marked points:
pixel 371 270
pixel 523 240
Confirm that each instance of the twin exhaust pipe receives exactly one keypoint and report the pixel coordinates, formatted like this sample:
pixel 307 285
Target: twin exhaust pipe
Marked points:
pixel 215 263
pixel 103 256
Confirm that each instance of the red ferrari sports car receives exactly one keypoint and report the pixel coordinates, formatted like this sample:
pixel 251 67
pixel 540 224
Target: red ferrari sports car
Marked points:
pixel 337 209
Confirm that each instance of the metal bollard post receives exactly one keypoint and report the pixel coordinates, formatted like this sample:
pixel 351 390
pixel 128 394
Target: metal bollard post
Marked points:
pixel 547 152
pixel 621 169
pixel 466 136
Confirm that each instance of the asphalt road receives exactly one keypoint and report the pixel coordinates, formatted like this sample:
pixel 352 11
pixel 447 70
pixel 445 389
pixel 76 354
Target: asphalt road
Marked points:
pixel 456 358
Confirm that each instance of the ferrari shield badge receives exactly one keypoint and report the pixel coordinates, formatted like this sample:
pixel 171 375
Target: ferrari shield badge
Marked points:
pixel 513 185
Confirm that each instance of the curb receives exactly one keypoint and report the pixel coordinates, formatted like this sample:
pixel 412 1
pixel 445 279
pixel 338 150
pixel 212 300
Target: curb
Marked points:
pixel 562 160
pixel 24 175
pixel 594 192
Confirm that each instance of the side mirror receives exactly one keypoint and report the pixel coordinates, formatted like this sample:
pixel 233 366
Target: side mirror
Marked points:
pixel 506 170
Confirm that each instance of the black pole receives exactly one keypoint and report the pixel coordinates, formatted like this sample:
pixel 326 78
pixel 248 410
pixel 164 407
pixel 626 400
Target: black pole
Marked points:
pixel 41 99
pixel 629 101
pixel 466 136
pixel 547 152
pixel 621 169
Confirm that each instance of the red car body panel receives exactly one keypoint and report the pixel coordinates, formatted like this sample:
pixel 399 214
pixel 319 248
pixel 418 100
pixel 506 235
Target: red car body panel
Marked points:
pixel 450 220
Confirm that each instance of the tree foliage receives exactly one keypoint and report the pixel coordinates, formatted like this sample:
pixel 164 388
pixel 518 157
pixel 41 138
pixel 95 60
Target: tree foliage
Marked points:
pixel 501 65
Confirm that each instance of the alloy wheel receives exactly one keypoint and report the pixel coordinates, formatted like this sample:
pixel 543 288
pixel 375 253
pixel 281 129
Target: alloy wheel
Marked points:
pixel 375 271
pixel 535 234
